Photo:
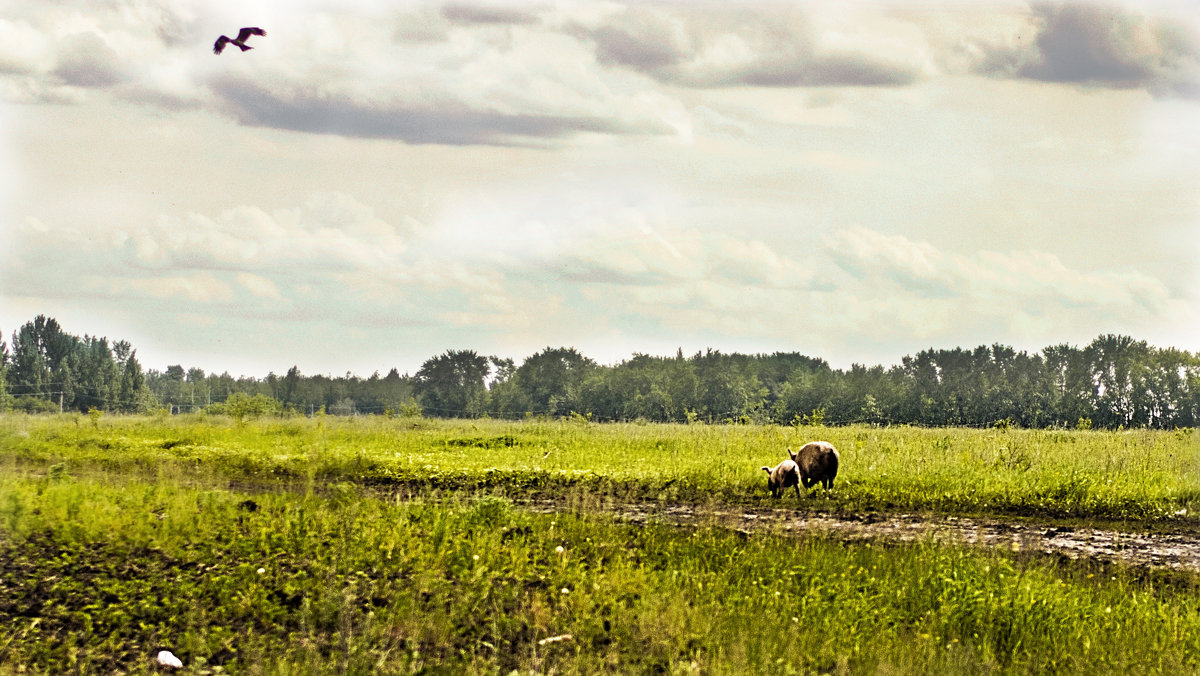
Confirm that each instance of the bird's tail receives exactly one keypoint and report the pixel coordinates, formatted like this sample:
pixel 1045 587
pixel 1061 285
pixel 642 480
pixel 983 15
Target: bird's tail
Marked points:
pixel 245 48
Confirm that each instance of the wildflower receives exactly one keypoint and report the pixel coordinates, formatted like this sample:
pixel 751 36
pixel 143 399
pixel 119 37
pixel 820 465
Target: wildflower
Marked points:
pixel 261 571
pixel 559 550
pixel 566 591
pixel 475 558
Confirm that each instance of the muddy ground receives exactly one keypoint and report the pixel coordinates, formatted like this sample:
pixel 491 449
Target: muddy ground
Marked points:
pixel 1174 550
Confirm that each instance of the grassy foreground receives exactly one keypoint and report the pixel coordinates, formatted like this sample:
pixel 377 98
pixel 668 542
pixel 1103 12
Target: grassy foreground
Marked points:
pixel 96 576
pixel 1136 476
pixel 250 548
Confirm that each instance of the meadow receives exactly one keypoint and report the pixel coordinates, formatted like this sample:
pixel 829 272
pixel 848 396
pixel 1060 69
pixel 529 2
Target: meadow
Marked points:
pixel 377 545
pixel 1135 476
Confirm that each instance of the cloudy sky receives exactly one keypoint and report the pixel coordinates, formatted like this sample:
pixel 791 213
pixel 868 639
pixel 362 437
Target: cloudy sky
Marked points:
pixel 377 182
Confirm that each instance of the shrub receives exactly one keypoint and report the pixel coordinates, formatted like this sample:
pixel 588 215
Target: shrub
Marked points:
pixel 241 406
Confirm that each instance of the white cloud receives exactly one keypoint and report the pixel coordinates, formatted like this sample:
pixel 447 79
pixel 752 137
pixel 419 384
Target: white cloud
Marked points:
pixel 1021 290
pixel 196 288
pixel 773 46
pixel 658 258
pixel 23 48
pixel 865 288
pixel 258 285
pixel 244 255
pixel 1097 44
pixel 479 74
pixel 467 89
pixel 861 250
pixel 86 60
pixel 486 73
pixel 329 231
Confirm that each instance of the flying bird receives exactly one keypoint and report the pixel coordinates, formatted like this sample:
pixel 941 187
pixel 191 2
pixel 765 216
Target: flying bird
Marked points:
pixel 240 41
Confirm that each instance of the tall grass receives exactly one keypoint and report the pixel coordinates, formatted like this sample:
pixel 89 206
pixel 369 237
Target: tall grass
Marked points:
pixel 99 574
pixel 1137 475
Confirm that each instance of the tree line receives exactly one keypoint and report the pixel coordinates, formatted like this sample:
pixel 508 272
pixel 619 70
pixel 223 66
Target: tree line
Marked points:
pixel 1114 381
pixel 49 369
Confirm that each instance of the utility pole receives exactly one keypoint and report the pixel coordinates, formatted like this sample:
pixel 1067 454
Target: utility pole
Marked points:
pixel 60 402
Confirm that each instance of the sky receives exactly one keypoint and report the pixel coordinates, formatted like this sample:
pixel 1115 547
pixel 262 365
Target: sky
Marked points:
pixel 377 182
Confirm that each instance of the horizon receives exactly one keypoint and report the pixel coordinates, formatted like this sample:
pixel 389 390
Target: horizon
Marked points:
pixel 377 184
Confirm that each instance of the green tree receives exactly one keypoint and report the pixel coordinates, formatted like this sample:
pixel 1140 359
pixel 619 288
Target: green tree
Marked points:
pixel 870 392
pixel 29 374
pixel 171 388
pixel 41 363
pixel 727 386
pixel 133 396
pixel 1118 365
pixel 776 371
pixel 98 373
pixel 289 388
pixel 1068 377
pixel 198 390
pixel 379 395
pixel 550 380
pixel 453 384
pixel 641 386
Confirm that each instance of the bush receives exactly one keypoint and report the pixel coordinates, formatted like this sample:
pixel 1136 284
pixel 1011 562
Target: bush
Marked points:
pixel 343 406
pixel 410 409
pixel 34 405
pixel 241 406
pixel 814 419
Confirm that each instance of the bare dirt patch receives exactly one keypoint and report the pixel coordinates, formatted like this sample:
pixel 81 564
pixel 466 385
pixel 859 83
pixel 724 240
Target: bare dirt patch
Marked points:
pixel 1173 550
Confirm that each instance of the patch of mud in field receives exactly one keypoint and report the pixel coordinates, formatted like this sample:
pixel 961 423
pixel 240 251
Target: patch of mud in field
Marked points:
pixel 1179 551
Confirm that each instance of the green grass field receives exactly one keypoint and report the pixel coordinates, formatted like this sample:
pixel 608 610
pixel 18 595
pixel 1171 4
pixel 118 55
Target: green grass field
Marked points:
pixel 394 546
pixel 1137 476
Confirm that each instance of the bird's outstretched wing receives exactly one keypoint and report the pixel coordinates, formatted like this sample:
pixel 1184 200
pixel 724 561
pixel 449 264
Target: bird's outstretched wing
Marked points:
pixel 220 44
pixel 247 32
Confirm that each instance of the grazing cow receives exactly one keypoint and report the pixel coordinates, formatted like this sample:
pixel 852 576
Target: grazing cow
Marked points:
pixel 783 476
pixel 816 461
